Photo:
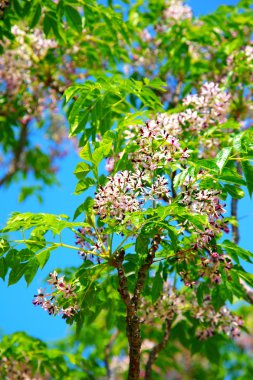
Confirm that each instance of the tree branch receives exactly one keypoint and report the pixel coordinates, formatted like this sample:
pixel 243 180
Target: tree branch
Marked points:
pixel 157 349
pixel 17 153
pixel 142 273
pixel 133 322
pixel 234 210
pixel 107 354
pixel 132 319
pixel 122 289
pixel 235 229
pixel 174 193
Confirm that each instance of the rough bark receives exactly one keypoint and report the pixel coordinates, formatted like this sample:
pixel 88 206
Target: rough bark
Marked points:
pixel 133 322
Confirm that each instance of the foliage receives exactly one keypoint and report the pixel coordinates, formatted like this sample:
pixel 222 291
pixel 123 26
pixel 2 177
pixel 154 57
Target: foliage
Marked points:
pixel 22 354
pixel 161 108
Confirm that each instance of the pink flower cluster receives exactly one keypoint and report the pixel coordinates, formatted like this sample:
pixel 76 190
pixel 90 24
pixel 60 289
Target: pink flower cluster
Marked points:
pixel 222 321
pixel 17 61
pixel 90 242
pixel 48 300
pixel 211 267
pixel 209 107
pixel 176 12
pixel 204 202
pixel 171 305
pixel 157 146
pixel 118 196
pixel 3 5
pixel 248 51
pixel 168 305
pixel 128 192
pixel 245 56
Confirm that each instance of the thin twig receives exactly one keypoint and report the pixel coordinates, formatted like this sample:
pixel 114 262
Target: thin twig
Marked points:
pixel 157 349
pixel 235 229
pixel 174 193
pixel 234 213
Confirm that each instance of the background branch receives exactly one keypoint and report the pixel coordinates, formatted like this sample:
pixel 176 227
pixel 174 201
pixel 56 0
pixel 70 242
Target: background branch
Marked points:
pixel 15 164
pixel 108 348
pixel 157 349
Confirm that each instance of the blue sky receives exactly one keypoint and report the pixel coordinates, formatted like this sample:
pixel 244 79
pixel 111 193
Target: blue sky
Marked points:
pixel 18 313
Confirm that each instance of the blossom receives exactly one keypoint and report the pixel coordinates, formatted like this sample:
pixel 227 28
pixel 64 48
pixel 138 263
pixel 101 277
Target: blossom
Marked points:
pixel 110 164
pixel 69 312
pixel 248 51
pixel 48 301
pixel 221 321
pixel 210 106
pixel 40 297
pixel 176 12
pixel 91 242
pixel 116 197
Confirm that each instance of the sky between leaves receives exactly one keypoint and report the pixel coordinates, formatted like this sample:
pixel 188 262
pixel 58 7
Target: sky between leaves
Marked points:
pixel 17 311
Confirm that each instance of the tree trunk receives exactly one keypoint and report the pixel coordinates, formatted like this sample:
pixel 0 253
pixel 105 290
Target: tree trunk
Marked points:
pixel 134 339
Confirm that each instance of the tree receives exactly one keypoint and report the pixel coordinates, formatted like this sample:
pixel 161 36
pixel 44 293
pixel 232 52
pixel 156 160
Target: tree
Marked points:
pixel 163 123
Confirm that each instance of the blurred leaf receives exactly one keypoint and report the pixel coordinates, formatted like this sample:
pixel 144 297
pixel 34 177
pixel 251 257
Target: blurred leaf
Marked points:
pixel 222 157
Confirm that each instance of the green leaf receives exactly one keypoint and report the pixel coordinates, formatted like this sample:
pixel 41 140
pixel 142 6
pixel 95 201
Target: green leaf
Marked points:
pixel 47 24
pixel 37 242
pixel 85 153
pixel 180 177
pixel 73 17
pixel 234 178
pixel 202 290
pixel 232 249
pixel 17 8
pixel 43 256
pixel 3 268
pixel 141 245
pixel 16 273
pixel 248 173
pixel 31 270
pixel 237 143
pixel 219 296
pixel 208 164
pixel 12 258
pixel 101 152
pixel 172 232
pixel 36 17
pixel 222 157
pixel 81 170
pixel 235 191
pixel 83 185
pixel 4 246
pixel 86 206
pixel 247 277
pixel 157 286
pixel 200 221
pixel 25 255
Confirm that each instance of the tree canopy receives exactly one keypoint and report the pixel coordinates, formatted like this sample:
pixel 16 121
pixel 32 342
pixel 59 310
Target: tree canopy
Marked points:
pixel 157 103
